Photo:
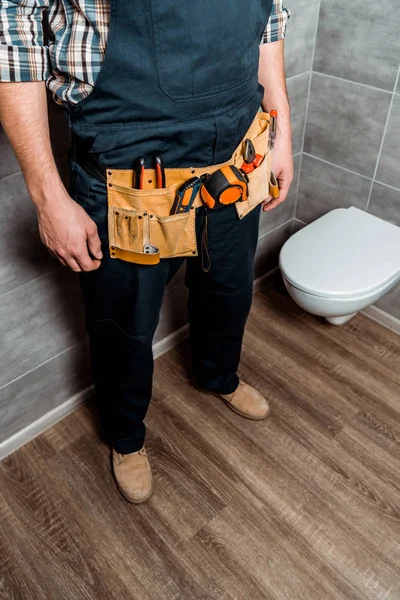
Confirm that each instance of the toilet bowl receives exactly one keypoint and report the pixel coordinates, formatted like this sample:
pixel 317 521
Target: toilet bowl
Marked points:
pixel 341 263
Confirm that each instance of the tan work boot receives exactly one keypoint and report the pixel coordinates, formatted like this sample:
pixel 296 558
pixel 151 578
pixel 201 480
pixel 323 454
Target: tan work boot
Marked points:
pixel 245 401
pixel 132 473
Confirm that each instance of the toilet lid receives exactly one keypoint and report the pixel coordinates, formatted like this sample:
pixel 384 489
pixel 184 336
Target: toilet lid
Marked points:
pixel 346 253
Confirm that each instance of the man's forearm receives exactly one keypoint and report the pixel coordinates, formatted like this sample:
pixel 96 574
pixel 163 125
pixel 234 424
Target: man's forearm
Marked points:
pixel 23 114
pixel 272 77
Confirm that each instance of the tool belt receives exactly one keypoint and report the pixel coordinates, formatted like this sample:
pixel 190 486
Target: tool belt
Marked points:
pixel 140 224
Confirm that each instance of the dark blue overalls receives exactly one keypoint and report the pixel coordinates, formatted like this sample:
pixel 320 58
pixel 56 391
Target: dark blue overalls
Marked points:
pixel 179 79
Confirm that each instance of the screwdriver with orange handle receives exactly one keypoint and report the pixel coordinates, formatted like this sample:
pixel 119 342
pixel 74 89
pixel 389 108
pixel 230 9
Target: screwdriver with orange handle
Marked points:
pixel 273 183
pixel 272 128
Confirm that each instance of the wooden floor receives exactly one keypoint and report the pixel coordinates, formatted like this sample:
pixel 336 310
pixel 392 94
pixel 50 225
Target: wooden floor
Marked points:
pixel 303 506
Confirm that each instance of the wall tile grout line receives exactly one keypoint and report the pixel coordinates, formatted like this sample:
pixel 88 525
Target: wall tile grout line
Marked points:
pixel 391 187
pixel 180 282
pixel 298 185
pixel 371 87
pixel 327 162
pixel 275 228
pixel 298 75
pixel 41 364
pixel 307 107
pixel 15 173
pixel 383 137
pixel 10 175
pixel 29 282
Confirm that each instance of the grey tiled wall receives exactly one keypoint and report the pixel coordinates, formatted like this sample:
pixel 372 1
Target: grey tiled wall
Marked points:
pixel 352 138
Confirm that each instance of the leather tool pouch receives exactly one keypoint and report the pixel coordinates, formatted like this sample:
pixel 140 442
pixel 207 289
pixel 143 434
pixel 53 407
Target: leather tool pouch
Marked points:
pixel 141 229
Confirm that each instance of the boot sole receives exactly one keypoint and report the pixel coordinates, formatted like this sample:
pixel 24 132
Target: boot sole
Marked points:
pixel 123 493
pixel 233 408
pixel 131 499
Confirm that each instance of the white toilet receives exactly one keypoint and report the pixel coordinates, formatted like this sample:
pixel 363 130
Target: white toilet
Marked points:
pixel 341 263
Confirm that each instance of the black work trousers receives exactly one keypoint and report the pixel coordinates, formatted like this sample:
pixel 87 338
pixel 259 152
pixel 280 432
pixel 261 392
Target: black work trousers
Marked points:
pixel 123 302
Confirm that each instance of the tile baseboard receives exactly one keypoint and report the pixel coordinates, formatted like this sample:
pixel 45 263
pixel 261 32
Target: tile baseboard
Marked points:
pixel 258 282
pixel 383 318
pixel 28 433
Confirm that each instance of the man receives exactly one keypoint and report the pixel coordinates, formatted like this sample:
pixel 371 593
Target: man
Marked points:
pixel 139 79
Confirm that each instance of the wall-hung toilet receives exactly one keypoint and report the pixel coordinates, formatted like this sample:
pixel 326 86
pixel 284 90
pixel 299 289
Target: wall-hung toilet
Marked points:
pixel 341 263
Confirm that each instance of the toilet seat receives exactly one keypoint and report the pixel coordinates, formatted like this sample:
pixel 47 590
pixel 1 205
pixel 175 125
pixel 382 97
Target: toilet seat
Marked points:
pixel 347 253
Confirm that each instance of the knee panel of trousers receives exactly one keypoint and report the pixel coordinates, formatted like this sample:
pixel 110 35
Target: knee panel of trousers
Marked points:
pixel 118 331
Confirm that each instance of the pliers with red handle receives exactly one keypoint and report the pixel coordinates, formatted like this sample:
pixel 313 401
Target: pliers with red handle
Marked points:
pixel 139 168
pixel 252 160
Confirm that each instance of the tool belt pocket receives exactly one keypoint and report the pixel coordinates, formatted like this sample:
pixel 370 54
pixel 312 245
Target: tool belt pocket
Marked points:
pixel 259 179
pixel 259 182
pixel 142 231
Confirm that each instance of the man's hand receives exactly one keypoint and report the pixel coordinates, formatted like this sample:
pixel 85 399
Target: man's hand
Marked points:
pixel 282 167
pixel 69 234
pixel 65 228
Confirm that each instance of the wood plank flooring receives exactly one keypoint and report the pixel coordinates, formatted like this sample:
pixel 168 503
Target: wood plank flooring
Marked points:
pixel 302 506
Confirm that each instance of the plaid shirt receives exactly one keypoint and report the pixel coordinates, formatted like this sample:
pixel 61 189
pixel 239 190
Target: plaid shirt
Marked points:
pixel 77 42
